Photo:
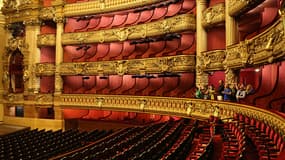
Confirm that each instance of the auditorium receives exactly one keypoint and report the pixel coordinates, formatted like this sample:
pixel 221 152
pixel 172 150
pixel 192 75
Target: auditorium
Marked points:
pixel 142 80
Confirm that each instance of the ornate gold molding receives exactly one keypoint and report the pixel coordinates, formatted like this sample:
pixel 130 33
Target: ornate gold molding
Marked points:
pixel 46 40
pixel 44 99
pixel 184 63
pixel 16 5
pixel 171 106
pixel 239 7
pixel 13 99
pixel 175 24
pixel 46 69
pixel 214 16
pixel 262 49
pixel 16 43
pixel 213 60
pixel 269 45
pixel 237 56
pixel 170 25
pixel 28 16
pixel 103 6
pixel 47 13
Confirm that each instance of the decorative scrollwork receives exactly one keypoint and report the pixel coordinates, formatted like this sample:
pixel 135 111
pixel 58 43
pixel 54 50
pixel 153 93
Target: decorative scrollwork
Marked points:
pixel 214 15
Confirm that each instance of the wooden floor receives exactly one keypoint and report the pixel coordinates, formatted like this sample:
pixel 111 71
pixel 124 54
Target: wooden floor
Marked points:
pixel 6 129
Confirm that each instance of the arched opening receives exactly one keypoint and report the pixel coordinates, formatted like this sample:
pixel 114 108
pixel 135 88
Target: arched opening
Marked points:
pixel 16 84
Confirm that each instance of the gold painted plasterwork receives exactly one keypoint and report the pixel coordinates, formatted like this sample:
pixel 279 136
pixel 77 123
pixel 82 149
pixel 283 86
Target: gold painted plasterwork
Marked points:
pixel 184 63
pixel 46 40
pixel 264 48
pixel 214 16
pixel 170 25
pixel 172 106
pixel 239 7
pixel 213 60
pixel 103 6
pixel 46 69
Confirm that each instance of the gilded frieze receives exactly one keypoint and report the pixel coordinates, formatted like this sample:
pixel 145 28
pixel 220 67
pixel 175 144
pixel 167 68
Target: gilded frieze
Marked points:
pixel 46 69
pixel 103 6
pixel 13 99
pixel 239 7
pixel 47 13
pixel 238 55
pixel 46 40
pixel 170 25
pixel 136 66
pixel 213 60
pixel 44 99
pixel 16 43
pixel 269 45
pixel 28 16
pixel 214 16
pixel 171 106
pixel 264 48
pixel 16 5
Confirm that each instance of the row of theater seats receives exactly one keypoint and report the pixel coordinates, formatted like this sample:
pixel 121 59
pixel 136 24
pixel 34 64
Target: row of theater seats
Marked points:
pixel 149 142
pixel 125 18
pixel 40 144
pixel 234 142
pixel 268 142
pixel 178 86
pixel 183 45
pixel 204 147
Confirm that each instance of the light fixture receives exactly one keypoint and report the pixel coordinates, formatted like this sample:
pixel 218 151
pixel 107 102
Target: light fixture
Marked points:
pixel 257 70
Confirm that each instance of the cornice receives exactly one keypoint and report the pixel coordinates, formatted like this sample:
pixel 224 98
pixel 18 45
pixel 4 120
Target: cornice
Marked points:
pixel 177 64
pixel 103 6
pixel 213 60
pixel 239 7
pixel 170 25
pixel 214 16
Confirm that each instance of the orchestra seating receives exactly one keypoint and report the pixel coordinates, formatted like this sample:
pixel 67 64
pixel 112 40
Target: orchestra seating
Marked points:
pixel 170 140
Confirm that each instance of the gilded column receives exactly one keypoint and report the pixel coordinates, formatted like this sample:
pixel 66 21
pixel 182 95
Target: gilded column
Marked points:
pixel 59 56
pixel 232 37
pixel 59 19
pixel 2 51
pixel 33 57
pixel 201 77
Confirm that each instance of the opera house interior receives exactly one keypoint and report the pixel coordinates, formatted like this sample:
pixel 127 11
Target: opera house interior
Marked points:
pixel 142 79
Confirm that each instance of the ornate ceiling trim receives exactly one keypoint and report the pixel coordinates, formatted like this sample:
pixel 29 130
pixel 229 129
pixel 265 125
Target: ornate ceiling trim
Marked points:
pixel 213 60
pixel 214 16
pixel 103 6
pixel 170 25
pixel 239 7
pixel 177 64
pixel 262 49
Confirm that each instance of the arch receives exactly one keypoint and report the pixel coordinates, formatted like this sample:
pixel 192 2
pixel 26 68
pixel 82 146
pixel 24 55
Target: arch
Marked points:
pixel 16 72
